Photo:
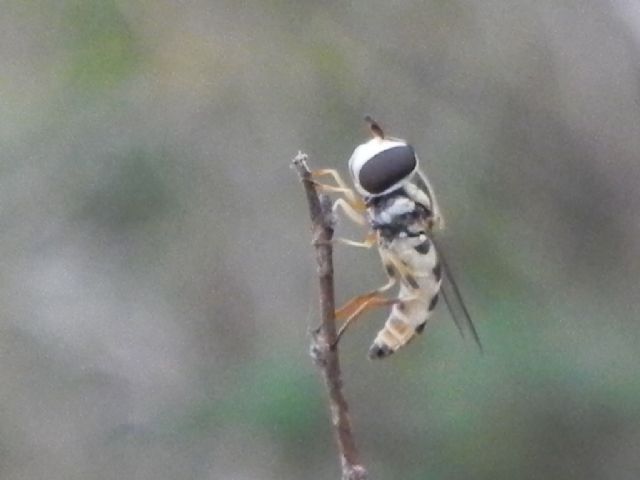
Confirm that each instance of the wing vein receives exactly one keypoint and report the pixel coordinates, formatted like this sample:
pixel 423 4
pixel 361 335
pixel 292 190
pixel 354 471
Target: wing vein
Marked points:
pixel 458 295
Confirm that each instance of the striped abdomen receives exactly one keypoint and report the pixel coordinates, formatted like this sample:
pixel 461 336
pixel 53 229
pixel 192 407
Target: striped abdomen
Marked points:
pixel 418 295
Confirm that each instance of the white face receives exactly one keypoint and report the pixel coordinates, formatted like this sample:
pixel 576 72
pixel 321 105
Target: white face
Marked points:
pixel 367 151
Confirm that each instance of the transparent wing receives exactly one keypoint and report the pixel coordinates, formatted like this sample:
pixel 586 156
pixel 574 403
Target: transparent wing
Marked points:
pixel 453 298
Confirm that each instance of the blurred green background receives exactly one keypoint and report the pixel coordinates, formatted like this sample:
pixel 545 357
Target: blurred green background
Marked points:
pixel 157 280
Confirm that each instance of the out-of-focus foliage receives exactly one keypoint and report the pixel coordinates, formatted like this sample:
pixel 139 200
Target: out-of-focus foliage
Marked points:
pixel 157 279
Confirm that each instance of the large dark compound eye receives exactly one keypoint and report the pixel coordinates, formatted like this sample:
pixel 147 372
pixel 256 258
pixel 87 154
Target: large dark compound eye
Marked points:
pixel 387 168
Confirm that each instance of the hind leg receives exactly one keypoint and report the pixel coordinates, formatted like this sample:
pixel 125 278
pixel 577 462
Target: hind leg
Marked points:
pixel 355 307
pixel 373 302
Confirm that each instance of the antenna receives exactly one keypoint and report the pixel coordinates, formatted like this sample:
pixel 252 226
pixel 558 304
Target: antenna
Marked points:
pixel 375 128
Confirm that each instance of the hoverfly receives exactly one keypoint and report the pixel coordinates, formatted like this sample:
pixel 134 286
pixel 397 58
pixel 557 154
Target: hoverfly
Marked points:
pixel 395 200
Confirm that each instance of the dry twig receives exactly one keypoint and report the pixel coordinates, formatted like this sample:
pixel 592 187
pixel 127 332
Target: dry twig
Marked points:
pixel 324 350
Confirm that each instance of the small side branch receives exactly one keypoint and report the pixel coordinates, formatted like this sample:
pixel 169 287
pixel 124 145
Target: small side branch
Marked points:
pixel 324 355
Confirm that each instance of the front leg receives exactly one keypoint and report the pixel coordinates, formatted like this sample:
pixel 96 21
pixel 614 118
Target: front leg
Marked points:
pixel 351 198
pixel 333 173
pixel 352 206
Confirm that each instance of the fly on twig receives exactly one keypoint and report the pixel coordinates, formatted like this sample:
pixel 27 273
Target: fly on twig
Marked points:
pixel 395 200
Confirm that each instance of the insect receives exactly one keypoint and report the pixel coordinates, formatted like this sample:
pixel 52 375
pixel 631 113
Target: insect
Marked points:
pixel 395 200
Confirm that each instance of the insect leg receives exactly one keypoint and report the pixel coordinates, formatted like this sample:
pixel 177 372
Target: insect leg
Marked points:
pixel 333 173
pixel 377 301
pixel 369 241
pixel 354 304
pixel 373 302
pixel 349 210
pixel 352 199
pixel 368 301
pixel 352 206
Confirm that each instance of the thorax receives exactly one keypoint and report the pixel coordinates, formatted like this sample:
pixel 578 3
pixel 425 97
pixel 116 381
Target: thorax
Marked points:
pixel 396 216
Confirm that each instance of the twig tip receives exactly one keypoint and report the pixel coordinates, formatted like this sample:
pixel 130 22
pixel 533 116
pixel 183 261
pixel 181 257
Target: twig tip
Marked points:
pixel 300 159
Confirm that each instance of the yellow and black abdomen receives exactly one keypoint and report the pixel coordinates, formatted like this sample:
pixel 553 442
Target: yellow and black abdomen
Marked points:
pixel 402 225
pixel 420 275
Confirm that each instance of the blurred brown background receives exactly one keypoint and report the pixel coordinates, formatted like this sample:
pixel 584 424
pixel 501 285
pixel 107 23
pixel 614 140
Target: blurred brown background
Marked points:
pixel 157 281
